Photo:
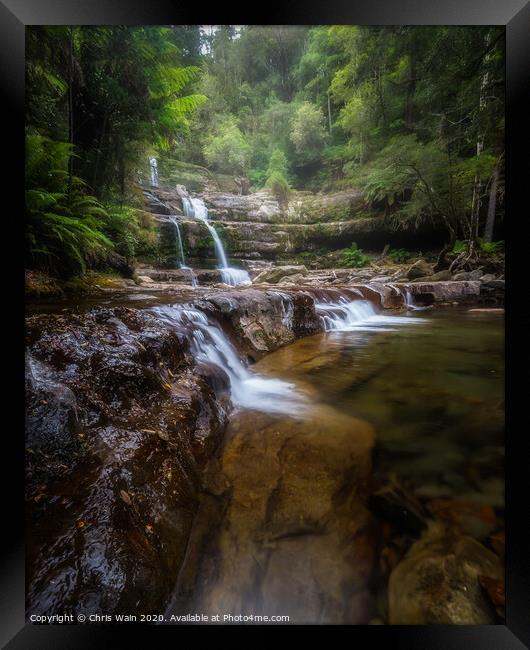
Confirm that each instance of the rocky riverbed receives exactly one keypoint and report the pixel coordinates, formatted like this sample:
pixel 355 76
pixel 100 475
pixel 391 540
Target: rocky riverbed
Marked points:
pixel 126 414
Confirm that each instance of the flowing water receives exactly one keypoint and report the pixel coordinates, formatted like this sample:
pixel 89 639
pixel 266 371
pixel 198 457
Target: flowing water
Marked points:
pixel 418 395
pixel 180 251
pixel 153 169
pixel 195 207
pixel 209 344
pixel 432 385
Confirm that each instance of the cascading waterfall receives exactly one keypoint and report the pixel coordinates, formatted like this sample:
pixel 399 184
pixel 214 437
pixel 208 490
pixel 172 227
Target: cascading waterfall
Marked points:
pixel 180 251
pixel 195 207
pixel 408 299
pixel 209 344
pixel 345 315
pixel 153 167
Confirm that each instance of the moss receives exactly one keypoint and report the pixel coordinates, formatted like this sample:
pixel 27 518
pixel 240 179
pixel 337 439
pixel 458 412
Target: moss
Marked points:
pixel 92 281
pixel 194 177
pixel 41 284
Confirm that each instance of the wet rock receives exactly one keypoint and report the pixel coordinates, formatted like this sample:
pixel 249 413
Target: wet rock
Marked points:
pixel 449 291
pixel 52 427
pixel 266 320
pixel 277 273
pixel 295 279
pixel 441 276
pixel 393 504
pixel 476 274
pixel 419 269
pixel 492 292
pixel 438 581
pixel 488 277
pixel 113 409
pixel 470 518
pixel 295 509
pixel 463 275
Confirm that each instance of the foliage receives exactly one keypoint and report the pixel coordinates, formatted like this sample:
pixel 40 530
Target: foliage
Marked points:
pixel 64 223
pixel 459 247
pixel 227 150
pixel 354 257
pixel 276 180
pixel 412 115
pixel 279 186
pixel 399 255
pixel 68 230
pixel 308 133
pixel 277 163
pixel 491 247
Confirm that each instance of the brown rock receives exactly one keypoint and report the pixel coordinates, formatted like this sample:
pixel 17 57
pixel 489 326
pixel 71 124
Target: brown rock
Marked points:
pixel 438 581
pixel 419 269
pixel 278 273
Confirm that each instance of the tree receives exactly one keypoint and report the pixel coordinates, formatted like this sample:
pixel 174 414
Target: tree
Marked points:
pixel 308 132
pixel 228 150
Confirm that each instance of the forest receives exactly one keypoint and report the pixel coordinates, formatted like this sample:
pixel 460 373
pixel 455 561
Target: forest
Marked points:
pixel 413 116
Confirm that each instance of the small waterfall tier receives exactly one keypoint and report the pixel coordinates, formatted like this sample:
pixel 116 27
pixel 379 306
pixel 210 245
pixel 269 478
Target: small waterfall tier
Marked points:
pixel 210 345
pixel 195 208
pixel 180 251
pixel 344 314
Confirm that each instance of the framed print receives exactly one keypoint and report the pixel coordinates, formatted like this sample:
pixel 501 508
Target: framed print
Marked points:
pixel 273 273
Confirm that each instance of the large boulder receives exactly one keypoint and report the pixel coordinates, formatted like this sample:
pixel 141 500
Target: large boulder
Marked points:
pixel 265 320
pixel 117 428
pixel 419 269
pixel 277 273
pixel 294 508
pixel 428 292
pixel 439 581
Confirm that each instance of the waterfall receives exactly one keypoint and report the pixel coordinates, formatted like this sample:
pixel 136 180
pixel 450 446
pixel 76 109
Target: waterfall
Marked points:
pixel 180 251
pixel 153 167
pixel 179 247
pixel 209 344
pixel 195 207
pixel 345 315
pixel 408 299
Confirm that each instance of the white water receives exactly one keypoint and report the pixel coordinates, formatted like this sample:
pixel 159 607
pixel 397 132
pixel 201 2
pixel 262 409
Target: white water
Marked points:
pixel 356 315
pixel 248 389
pixel 180 251
pixel 195 207
pixel 153 167
pixel 407 298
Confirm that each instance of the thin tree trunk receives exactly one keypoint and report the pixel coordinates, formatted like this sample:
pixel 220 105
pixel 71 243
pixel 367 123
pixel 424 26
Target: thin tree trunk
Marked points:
pixel 411 89
pixel 492 205
pixel 329 112
pixel 71 108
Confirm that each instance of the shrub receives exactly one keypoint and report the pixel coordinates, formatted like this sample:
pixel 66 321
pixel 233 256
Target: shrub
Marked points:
pixel 399 255
pixel 491 247
pixel 228 150
pixel 279 186
pixel 354 257
pixel 459 247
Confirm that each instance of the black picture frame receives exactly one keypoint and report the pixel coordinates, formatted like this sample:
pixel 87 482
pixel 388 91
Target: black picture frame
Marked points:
pixel 515 15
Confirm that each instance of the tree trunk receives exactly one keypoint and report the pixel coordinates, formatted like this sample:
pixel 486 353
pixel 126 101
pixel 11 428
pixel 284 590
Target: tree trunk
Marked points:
pixel 329 112
pixel 71 108
pixel 442 262
pixel 411 89
pixel 492 205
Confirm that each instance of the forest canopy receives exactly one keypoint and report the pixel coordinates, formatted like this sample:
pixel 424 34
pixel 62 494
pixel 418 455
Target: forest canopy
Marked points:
pixel 413 116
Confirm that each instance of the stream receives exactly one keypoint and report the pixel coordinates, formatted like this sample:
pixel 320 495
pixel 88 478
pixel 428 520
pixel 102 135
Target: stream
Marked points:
pixel 422 394
pixel 165 467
